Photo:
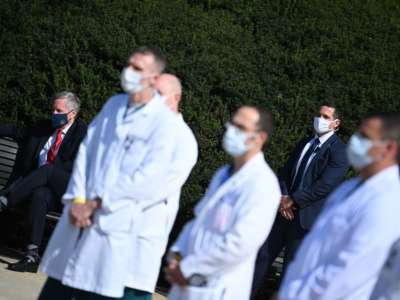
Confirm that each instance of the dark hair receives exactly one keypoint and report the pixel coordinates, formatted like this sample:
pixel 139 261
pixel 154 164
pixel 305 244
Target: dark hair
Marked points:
pixel 159 58
pixel 331 104
pixel 390 126
pixel 265 122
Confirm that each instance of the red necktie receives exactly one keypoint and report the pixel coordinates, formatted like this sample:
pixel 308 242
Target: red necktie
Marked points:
pixel 51 155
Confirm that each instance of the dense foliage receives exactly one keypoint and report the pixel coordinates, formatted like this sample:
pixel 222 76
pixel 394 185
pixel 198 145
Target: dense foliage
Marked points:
pixel 283 55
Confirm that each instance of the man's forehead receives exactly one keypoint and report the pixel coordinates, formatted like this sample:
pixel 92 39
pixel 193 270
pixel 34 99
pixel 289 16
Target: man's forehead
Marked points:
pixel 59 101
pixel 247 114
pixel 372 124
pixel 327 109
pixel 141 58
pixel 372 127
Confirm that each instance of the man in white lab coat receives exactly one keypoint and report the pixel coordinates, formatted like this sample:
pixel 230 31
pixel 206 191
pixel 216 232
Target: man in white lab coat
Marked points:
pixel 215 253
pixel 158 220
pixel 343 254
pixel 119 174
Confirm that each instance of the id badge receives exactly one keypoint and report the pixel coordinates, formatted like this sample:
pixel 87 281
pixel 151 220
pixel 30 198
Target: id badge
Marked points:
pixel 222 217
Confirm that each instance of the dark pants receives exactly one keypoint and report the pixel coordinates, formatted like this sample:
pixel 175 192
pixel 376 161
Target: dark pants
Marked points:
pixel 54 289
pixel 42 190
pixel 284 234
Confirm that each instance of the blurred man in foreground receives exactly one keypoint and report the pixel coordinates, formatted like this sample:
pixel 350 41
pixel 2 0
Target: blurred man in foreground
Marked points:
pixel 344 252
pixel 214 255
pixel 119 174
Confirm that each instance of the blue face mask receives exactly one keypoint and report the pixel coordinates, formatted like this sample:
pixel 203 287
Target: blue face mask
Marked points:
pixel 59 120
pixel 357 151
pixel 234 141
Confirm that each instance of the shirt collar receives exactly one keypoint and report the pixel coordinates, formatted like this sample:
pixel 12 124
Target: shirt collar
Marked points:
pixel 66 128
pixel 325 137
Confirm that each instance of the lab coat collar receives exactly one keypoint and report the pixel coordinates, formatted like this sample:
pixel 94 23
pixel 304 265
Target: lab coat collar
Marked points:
pixel 240 175
pixel 151 107
pixel 231 183
pixel 384 178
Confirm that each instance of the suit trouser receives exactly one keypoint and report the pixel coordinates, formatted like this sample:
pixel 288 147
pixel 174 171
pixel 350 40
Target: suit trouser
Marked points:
pixel 54 289
pixel 42 189
pixel 284 233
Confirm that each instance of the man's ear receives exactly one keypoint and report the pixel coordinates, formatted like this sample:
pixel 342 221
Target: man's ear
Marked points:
pixel 178 98
pixel 154 79
pixel 393 148
pixel 337 123
pixel 263 136
pixel 73 114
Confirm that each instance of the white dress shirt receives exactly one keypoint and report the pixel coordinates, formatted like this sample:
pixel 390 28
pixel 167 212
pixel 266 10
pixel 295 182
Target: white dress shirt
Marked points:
pixel 46 148
pixel 342 255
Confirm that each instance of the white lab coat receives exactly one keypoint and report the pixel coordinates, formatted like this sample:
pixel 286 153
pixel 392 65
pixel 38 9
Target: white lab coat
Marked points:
pixel 124 161
pixel 342 255
pixel 231 222
pixel 153 237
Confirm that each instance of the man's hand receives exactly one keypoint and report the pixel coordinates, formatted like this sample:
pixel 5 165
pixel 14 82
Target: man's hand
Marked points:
pixel 174 274
pixel 80 214
pixel 287 208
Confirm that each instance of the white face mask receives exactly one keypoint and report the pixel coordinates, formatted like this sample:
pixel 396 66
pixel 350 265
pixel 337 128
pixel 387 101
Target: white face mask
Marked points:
pixel 357 152
pixel 234 141
pixel 130 81
pixel 321 125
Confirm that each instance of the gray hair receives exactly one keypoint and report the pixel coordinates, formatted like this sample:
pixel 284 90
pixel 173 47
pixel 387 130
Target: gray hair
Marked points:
pixel 73 102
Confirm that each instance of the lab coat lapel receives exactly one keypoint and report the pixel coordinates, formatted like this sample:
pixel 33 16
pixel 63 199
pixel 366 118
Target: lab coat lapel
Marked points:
pixel 139 124
pixel 235 180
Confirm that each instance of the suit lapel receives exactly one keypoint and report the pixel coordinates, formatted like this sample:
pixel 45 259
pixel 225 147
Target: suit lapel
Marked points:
pixel 298 155
pixel 325 146
pixel 68 137
pixel 40 145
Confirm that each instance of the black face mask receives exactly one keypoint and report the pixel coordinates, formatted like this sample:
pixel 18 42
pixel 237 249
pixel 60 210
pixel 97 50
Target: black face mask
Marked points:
pixel 59 120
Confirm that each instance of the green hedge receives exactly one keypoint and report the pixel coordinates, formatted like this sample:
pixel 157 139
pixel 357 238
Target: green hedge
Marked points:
pixel 283 55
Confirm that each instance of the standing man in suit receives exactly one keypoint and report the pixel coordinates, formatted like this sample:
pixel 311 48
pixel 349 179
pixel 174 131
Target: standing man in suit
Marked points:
pixel 314 169
pixel 43 167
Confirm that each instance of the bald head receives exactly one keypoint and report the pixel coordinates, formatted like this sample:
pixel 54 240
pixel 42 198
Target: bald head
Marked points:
pixel 170 87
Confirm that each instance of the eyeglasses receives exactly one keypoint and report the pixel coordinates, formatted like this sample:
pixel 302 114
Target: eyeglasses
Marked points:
pixel 240 127
pixel 135 67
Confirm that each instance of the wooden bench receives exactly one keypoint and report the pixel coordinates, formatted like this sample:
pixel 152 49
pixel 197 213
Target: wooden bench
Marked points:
pixel 8 153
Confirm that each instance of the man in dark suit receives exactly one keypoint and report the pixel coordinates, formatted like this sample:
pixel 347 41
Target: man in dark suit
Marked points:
pixel 43 166
pixel 317 165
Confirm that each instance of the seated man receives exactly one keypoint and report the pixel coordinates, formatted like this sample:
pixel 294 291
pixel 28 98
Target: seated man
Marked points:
pixel 43 167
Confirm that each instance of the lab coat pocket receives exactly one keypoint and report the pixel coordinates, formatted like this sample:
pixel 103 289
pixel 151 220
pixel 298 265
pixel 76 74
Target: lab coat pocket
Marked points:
pixel 223 217
pixel 196 293
pixel 154 220
pixel 117 221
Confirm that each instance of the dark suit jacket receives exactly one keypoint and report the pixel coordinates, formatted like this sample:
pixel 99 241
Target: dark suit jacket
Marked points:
pixel 325 173
pixel 32 140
